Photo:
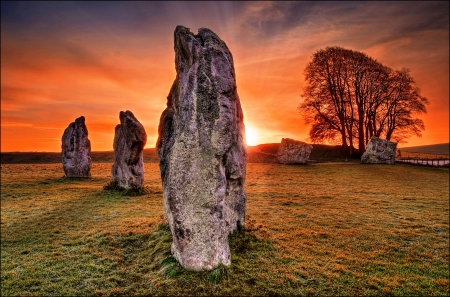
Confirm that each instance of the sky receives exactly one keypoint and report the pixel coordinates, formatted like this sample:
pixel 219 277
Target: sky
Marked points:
pixel 61 60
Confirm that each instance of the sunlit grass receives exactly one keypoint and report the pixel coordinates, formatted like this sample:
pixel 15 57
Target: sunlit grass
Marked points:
pixel 321 229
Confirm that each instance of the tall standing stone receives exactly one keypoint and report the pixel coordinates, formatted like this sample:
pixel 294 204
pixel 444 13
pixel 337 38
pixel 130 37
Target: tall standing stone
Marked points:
pixel 202 151
pixel 379 151
pixel 76 150
pixel 129 141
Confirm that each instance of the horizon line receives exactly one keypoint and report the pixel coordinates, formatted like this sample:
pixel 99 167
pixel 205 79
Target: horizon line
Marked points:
pixel 149 148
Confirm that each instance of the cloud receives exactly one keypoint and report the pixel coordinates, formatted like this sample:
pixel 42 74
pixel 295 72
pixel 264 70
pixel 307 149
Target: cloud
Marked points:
pixel 16 124
pixel 63 60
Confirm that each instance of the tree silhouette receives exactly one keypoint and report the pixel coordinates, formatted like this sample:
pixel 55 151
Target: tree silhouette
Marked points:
pixel 350 97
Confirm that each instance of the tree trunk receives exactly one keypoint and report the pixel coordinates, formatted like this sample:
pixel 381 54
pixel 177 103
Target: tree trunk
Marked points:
pixel 389 134
pixel 344 139
pixel 361 142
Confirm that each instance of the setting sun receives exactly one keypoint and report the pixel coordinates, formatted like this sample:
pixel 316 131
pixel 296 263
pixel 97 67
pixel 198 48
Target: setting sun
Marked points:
pixel 251 135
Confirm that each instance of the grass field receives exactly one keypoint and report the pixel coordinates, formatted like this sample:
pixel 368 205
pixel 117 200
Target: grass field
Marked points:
pixel 320 229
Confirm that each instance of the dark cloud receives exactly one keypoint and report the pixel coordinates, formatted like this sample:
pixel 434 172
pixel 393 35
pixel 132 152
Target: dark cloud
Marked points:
pixel 378 22
pixel 136 17
pixel 42 16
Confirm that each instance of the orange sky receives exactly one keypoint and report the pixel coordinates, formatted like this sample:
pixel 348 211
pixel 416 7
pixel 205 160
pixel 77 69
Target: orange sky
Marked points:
pixel 63 60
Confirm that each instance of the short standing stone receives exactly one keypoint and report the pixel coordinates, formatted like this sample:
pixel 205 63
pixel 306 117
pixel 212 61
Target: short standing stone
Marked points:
pixel 202 151
pixel 76 150
pixel 379 151
pixel 129 141
pixel 293 151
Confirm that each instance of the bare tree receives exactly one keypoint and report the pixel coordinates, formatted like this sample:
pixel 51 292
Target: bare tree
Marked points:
pixel 353 97
pixel 326 97
pixel 403 103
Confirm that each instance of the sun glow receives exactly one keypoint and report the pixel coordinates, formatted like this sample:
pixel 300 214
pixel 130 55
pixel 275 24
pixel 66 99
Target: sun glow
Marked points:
pixel 251 135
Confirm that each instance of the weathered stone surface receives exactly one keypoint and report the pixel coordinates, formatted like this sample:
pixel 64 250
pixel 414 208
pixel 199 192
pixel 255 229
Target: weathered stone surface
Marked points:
pixel 202 151
pixel 293 151
pixel 76 150
pixel 129 141
pixel 379 151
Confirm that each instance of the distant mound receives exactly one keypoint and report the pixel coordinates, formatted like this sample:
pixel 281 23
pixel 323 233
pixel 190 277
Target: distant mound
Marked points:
pixel 437 149
pixel 150 156
pixel 263 153
pixel 330 153
pixel 30 158
pixel 266 153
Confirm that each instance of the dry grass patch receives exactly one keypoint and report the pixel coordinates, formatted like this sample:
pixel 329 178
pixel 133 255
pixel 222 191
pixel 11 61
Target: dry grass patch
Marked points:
pixel 321 229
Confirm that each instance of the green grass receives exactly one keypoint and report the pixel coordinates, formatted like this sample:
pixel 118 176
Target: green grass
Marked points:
pixel 115 187
pixel 321 229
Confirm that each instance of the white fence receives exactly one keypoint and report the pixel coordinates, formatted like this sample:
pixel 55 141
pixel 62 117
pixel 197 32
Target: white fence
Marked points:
pixel 424 161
